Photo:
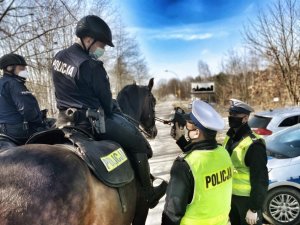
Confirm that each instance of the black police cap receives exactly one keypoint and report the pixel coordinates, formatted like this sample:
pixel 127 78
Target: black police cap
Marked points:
pixel 12 59
pixel 95 27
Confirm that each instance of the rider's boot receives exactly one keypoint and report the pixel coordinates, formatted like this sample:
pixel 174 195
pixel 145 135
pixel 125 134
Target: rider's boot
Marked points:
pixel 152 194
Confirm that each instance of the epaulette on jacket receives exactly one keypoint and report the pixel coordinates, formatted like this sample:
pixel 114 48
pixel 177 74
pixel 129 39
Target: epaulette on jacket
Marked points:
pixel 182 156
pixel 256 139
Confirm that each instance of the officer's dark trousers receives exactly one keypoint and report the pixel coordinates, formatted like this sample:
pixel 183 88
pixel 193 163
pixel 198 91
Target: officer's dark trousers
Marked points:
pixel 126 134
pixel 15 131
pixel 118 129
pixel 239 208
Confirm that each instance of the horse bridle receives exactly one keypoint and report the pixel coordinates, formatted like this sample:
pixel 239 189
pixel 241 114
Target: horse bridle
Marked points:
pixel 168 122
pixel 137 123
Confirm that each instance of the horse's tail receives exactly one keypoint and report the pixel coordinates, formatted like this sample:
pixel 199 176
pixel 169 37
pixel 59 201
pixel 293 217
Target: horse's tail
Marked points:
pixel 42 184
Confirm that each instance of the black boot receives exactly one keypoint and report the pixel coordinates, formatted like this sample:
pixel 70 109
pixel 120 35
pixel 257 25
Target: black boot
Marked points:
pixel 152 194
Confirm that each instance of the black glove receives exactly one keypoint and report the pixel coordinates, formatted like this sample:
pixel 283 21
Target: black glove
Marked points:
pixel 177 131
pixel 115 107
pixel 44 114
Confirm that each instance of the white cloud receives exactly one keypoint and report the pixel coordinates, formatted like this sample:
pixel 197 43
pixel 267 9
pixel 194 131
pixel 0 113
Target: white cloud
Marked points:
pixel 186 33
pixel 180 36
pixel 204 52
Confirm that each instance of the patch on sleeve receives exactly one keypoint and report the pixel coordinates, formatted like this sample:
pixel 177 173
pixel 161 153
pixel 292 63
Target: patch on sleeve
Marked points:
pixel 26 93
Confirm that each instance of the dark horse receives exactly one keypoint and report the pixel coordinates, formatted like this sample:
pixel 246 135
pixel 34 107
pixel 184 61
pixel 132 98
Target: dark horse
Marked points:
pixel 48 184
pixel 129 101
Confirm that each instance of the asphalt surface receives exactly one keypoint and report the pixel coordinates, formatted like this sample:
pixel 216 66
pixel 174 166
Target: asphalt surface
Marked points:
pixel 165 152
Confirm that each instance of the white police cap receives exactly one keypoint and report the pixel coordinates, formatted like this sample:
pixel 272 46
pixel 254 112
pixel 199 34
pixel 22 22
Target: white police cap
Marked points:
pixel 238 106
pixel 203 115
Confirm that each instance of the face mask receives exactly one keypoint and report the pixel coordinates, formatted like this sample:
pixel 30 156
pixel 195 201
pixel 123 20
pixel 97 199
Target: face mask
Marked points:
pixel 23 74
pixel 97 53
pixel 235 122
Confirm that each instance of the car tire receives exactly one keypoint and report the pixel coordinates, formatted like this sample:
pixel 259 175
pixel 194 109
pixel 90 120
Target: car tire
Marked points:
pixel 282 206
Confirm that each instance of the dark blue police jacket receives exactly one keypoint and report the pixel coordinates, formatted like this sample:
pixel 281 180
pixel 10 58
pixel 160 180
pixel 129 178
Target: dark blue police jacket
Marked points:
pixel 80 81
pixel 17 104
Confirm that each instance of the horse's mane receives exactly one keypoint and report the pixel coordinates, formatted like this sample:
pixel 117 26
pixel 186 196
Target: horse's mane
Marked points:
pixel 129 98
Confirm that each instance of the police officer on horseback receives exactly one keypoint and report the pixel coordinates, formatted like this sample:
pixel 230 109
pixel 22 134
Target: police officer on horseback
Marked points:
pixel 20 115
pixel 84 99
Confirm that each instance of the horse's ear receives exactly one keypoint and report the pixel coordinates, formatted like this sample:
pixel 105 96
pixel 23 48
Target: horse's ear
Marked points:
pixel 150 85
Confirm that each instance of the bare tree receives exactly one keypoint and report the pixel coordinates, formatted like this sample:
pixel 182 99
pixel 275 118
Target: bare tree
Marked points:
pixel 203 69
pixel 38 29
pixel 128 64
pixel 140 70
pixel 275 35
pixel 236 65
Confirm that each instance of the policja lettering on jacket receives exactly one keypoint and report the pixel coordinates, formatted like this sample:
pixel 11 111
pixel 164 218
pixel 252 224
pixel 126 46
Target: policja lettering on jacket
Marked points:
pixel 63 68
pixel 218 178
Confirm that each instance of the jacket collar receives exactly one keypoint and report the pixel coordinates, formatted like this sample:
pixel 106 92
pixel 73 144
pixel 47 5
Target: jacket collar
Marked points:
pixel 201 145
pixel 14 76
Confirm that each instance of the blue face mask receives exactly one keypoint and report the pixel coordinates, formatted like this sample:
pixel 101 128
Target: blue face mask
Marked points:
pixel 97 53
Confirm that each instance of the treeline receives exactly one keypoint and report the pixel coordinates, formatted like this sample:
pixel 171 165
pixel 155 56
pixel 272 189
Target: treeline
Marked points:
pixel 268 70
pixel 38 29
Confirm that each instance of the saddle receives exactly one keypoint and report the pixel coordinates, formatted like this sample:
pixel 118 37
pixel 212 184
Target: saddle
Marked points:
pixel 7 141
pixel 106 159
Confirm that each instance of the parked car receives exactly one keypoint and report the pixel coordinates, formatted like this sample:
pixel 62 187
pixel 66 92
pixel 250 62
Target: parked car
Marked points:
pixel 282 205
pixel 268 122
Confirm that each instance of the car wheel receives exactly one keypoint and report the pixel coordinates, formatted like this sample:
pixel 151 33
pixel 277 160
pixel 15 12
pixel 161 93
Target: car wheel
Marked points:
pixel 282 206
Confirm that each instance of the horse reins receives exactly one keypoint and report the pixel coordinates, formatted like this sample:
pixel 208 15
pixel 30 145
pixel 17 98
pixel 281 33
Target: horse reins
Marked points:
pixel 137 123
pixel 169 122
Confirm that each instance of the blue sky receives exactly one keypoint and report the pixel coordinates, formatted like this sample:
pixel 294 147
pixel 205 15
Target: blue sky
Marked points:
pixel 176 34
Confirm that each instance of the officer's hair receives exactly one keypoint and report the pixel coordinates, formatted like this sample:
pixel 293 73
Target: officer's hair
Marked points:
pixel 209 135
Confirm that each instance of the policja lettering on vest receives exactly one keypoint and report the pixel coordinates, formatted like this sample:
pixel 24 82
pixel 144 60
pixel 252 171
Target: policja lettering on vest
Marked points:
pixel 63 68
pixel 218 178
pixel 200 185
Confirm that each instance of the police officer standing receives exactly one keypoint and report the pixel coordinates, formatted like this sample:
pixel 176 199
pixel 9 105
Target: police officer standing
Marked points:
pixel 200 187
pixel 248 155
pixel 20 115
pixel 82 85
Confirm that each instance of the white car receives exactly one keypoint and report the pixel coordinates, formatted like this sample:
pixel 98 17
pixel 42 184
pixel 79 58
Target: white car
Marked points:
pixel 282 205
pixel 268 122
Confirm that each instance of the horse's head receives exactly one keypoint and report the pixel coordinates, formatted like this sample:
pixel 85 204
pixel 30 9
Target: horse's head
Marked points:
pixel 147 119
pixel 139 103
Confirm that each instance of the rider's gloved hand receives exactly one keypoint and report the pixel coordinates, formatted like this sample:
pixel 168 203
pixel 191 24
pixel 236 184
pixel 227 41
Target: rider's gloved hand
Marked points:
pixel 115 107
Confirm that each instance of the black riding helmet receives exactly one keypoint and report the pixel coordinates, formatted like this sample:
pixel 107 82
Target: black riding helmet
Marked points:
pixel 11 60
pixel 95 27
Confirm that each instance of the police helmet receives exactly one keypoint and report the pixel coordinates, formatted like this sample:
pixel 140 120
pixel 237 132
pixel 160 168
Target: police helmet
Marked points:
pixel 95 27
pixel 12 59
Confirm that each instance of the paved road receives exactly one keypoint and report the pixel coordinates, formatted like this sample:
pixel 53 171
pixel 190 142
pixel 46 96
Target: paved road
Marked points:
pixel 165 152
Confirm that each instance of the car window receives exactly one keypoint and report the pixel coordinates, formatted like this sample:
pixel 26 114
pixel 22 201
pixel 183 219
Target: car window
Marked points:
pixel 290 121
pixel 259 121
pixel 291 142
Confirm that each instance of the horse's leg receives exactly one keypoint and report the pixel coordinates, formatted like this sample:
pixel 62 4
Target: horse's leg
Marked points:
pixel 107 208
pixel 142 209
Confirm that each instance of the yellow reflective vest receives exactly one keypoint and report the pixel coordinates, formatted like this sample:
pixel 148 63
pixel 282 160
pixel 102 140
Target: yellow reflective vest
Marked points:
pixel 241 173
pixel 212 172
